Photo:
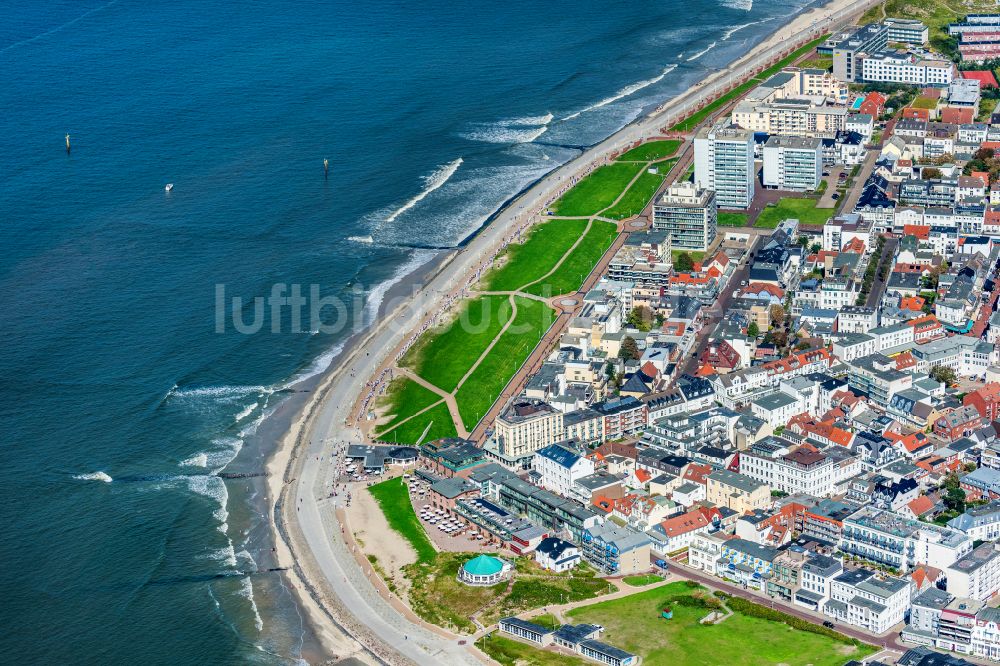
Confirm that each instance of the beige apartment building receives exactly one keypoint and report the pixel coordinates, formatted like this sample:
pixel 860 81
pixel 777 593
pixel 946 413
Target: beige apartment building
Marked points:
pixel 526 426
pixel 736 491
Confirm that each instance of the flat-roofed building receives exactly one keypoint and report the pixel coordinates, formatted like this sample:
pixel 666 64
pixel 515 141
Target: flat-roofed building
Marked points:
pixel 977 575
pixel 793 163
pixel 891 67
pixel 688 214
pixel 866 39
pixel 736 491
pixel 723 162
pixel 527 425
pixel 906 31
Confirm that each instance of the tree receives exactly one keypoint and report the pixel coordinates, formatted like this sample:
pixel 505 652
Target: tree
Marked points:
pixel 930 173
pixel 753 330
pixel 640 317
pixel 684 263
pixel 946 376
pixel 629 349
pixel 954 499
pixel 815 247
pixel 777 314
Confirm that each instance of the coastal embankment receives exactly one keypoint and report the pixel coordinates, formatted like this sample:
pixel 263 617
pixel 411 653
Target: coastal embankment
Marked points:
pixel 352 617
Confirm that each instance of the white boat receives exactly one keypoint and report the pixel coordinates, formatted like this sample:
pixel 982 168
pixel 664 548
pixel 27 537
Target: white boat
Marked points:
pixel 169 187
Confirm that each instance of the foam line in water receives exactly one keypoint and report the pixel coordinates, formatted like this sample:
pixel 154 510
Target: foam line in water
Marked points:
pixel 246 591
pixel 524 129
pixel 94 476
pixel 703 51
pixel 745 5
pixel 630 89
pixel 432 182
pixel 377 294
pixel 365 240
pixel 56 29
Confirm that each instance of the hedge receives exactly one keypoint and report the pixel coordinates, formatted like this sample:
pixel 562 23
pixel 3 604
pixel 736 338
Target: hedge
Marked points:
pixel 751 609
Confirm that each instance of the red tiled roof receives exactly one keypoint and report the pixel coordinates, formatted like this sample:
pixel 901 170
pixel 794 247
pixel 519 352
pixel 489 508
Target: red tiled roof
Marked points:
pixel 914 303
pixel 958 116
pixel 919 230
pixel 921 505
pixel 684 523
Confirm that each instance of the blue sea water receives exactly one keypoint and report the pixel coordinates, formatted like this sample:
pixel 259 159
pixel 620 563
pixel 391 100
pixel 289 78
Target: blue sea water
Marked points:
pixel 118 397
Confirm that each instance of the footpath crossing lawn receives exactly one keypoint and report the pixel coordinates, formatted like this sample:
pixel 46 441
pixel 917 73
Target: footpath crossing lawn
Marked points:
pixel 394 500
pixel 633 623
pixel 442 357
pixel 437 417
pixel 651 150
pixel 405 398
pixel 484 385
pixel 536 256
pixel 636 198
pixel 597 190
pixel 581 261
pixel 803 210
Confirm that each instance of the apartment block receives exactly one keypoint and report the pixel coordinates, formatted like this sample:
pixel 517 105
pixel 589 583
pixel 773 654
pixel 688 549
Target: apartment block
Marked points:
pixel 891 540
pixel 866 39
pixel 723 162
pixel 793 163
pixel 688 215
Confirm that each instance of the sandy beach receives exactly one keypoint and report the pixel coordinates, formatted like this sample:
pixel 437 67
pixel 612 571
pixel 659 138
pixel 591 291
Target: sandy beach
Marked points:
pixel 350 617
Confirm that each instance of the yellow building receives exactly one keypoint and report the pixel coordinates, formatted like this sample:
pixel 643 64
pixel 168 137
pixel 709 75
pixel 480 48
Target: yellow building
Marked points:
pixel 736 491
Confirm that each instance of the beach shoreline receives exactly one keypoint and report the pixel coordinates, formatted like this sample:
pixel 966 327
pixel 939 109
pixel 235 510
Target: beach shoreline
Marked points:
pixel 322 415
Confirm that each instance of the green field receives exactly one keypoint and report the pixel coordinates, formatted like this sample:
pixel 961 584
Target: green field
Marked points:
pixel 535 257
pixel 403 399
pixel 633 623
pixel 936 15
pixel 924 103
pixel 695 255
pixel 645 579
pixel 651 150
pixel 803 210
pixel 817 62
pixel 732 219
pixel 580 262
pixel 697 117
pixel 394 499
pixel 597 190
pixel 510 652
pixel 410 432
pixel 443 356
pixel 484 385
pixel 637 197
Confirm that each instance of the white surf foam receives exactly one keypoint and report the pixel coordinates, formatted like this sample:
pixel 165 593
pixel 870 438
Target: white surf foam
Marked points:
pixel 211 486
pixel 431 182
pixel 376 295
pixel 745 5
pixel 246 591
pixel 225 555
pixel 94 476
pixel 226 391
pixel 365 240
pixel 318 366
pixel 197 460
pixel 524 129
pixel 246 411
pixel 625 92
pixel 703 51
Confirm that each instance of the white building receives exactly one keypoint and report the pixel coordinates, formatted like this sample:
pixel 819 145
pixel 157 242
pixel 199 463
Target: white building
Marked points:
pixel 860 598
pixel 793 163
pixel 560 468
pixel 688 215
pixel 705 550
pixel 796 470
pixel 977 575
pixel 723 162
pixel 555 554
pixel 891 67
pixel 897 542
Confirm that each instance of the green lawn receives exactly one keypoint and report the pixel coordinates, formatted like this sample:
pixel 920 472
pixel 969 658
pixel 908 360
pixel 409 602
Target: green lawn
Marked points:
pixel 394 500
pixel 483 387
pixel 651 150
pixel 804 210
pixel 439 419
pixel 405 398
pixel 695 255
pixel 732 219
pixel 638 195
pixel 510 652
pixel 817 62
pixel 439 598
pixel 580 262
pixel 535 257
pixel 633 623
pixel 924 103
pixel 443 356
pixel 645 579
pixel 597 190
pixel 695 118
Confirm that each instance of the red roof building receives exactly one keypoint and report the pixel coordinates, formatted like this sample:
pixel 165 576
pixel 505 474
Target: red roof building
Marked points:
pixel 986 400
pixel 985 78
pixel 721 356
pixel 957 115
pixel 873 105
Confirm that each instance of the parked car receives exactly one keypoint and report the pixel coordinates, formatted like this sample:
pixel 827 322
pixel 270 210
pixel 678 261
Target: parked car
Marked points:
pixel 828 624
pixel 835 197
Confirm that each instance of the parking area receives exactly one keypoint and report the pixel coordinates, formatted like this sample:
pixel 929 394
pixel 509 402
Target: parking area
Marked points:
pixel 837 175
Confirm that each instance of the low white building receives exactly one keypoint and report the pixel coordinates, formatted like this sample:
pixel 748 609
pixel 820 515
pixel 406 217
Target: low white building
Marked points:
pixel 555 554
pixel 861 598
